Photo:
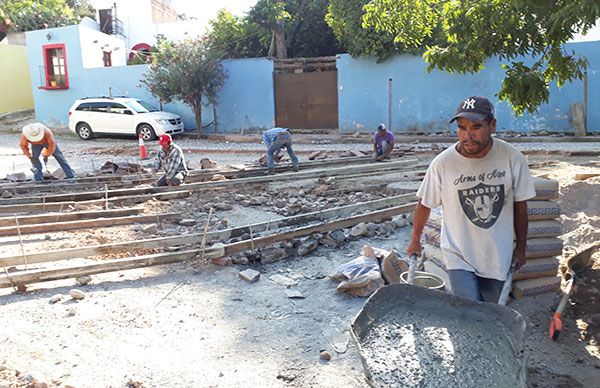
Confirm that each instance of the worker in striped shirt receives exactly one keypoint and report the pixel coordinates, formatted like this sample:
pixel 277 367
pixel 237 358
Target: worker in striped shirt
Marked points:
pixel 170 157
pixel 275 139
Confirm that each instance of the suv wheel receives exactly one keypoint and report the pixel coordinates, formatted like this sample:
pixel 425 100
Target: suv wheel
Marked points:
pixel 147 132
pixel 84 131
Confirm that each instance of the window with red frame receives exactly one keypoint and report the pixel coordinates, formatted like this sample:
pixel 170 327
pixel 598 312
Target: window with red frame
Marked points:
pixel 107 58
pixel 55 66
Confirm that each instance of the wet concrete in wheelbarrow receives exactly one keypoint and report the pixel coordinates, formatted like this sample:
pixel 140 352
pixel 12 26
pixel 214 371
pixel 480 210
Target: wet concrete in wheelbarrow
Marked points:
pixel 413 337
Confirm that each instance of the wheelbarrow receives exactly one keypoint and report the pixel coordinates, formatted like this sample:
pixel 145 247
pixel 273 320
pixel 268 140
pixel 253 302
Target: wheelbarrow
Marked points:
pixel 410 336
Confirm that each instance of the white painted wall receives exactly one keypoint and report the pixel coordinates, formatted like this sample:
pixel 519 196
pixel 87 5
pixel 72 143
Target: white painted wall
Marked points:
pixel 94 42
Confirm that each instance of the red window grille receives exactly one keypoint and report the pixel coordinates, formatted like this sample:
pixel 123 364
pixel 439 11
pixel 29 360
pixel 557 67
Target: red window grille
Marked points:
pixel 55 66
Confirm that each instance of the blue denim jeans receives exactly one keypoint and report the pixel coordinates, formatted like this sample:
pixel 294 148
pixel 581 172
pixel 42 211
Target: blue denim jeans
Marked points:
pixel 470 286
pixel 36 150
pixel 283 140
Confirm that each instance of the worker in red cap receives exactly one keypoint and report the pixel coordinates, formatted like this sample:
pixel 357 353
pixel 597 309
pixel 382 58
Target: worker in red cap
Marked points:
pixel 170 157
pixel 42 143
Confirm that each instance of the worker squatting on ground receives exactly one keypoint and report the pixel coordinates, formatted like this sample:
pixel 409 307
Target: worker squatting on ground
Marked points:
pixel 482 184
pixel 170 157
pixel 275 139
pixel 383 143
pixel 42 142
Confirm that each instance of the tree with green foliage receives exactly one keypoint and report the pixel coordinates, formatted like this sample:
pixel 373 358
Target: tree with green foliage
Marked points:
pixel 528 36
pixel 28 15
pixel 345 19
pixel 230 36
pixel 185 71
pixel 271 14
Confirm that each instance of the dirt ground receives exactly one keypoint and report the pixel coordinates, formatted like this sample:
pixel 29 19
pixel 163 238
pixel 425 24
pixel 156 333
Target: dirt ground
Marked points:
pixel 198 324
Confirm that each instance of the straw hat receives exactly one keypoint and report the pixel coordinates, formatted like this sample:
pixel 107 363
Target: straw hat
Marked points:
pixel 34 132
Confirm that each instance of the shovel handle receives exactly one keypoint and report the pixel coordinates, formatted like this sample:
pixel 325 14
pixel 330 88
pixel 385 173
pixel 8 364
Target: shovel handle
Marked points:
pixel 412 267
pixel 506 288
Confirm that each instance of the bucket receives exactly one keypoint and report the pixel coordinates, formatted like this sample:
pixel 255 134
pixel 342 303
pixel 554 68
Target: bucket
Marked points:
pixel 424 279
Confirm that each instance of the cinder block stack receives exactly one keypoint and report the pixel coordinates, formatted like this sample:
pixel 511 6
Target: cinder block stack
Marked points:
pixel 544 248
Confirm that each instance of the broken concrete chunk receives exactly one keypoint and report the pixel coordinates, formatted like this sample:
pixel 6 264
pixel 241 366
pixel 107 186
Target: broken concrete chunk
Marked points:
pixel 294 294
pixel 253 255
pixel 223 206
pixel 152 228
pixel 324 355
pixel 6 194
pixel 359 230
pixel 240 259
pixel 187 222
pixel 56 298
pixel 283 280
pixel 222 261
pixel 218 177
pixel 250 275
pixel 83 280
pixel 76 294
pixel 272 254
pixel 337 235
pixel 307 246
pixel 240 197
pixel 16 177
pixel 206 163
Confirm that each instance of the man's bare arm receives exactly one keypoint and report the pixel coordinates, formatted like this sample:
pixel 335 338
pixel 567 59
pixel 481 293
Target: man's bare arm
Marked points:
pixel 520 225
pixel 419 219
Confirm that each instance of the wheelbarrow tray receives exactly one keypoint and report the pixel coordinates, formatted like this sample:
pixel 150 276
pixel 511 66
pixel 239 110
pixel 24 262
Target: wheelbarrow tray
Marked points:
pixel 410 336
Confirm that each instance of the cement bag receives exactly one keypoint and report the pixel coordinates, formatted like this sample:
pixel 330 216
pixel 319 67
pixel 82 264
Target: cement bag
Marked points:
pixel 361 276
pixel 542 210
pixel 544 228
pixel 545 188
pixel 543 247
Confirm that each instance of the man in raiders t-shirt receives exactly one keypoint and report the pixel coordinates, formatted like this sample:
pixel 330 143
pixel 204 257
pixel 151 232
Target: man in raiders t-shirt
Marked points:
pixel 482 184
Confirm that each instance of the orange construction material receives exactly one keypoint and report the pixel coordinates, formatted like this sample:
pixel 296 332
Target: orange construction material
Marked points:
pixel 143 152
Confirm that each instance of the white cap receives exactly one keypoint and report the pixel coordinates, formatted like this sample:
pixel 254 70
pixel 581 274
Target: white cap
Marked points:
pixel 34 132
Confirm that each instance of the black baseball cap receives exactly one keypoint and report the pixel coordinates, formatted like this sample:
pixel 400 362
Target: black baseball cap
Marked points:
pixel 474 108
pixel 381 127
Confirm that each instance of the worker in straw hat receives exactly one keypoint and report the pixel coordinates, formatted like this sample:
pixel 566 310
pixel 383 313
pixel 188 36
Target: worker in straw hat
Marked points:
pixel 42 142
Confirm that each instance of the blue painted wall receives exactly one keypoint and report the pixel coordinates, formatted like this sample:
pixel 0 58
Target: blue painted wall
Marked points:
pixel 423 102
pixel 246 101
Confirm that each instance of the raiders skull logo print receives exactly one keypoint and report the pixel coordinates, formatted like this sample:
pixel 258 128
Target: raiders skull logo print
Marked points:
pixel 482 204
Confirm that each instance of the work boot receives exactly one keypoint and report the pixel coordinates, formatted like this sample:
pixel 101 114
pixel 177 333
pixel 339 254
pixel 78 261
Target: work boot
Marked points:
pixel 296 168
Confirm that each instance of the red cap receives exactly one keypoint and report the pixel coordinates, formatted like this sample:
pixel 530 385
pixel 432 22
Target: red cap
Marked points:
pixel 165 139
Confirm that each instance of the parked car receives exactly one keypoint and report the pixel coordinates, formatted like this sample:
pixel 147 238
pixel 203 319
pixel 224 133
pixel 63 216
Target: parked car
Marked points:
pixel 121 115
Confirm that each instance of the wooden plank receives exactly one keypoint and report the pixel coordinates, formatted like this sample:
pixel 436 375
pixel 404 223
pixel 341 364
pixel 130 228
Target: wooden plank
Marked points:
pixel 582 177
pixel 386 166
pixel 217 250
pixel 72 216
pixel 96 250
pixel 83 224
pixel 43 207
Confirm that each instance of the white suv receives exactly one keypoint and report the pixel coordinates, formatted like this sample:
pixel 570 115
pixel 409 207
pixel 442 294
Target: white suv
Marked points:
pixel 121 115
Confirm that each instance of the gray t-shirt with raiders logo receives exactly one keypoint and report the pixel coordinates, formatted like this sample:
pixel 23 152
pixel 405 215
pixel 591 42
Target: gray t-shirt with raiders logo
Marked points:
pixel 477 197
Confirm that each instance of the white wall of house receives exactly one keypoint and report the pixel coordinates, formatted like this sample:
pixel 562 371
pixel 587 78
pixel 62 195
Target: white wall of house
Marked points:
pixel 94 43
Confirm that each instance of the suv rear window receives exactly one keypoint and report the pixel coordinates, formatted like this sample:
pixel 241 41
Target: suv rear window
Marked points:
pixel 93 107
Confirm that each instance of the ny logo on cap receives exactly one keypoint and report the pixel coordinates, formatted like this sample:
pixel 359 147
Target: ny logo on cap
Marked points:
pixel 469 103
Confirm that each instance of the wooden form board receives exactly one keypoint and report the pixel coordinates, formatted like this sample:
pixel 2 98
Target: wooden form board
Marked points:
pixel 194 176
pixel 217 250
pixel 54 206
pixel 72 216
pixel 83 224
pixel 195 238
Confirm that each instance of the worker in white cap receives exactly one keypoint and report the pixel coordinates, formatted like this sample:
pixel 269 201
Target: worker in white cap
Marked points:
pixel 42 143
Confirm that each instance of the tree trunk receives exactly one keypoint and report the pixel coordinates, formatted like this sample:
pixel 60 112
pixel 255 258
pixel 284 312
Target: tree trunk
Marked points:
pixel 215 120
pixel 198 116
pixel 281 51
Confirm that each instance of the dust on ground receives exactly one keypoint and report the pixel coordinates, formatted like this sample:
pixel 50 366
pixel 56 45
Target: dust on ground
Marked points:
pixel 196 324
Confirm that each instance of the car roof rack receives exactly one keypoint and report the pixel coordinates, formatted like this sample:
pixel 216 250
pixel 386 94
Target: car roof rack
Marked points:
pixel 109 97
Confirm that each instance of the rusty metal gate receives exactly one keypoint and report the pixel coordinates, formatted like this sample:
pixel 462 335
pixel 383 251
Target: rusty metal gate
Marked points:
pixel 306 100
